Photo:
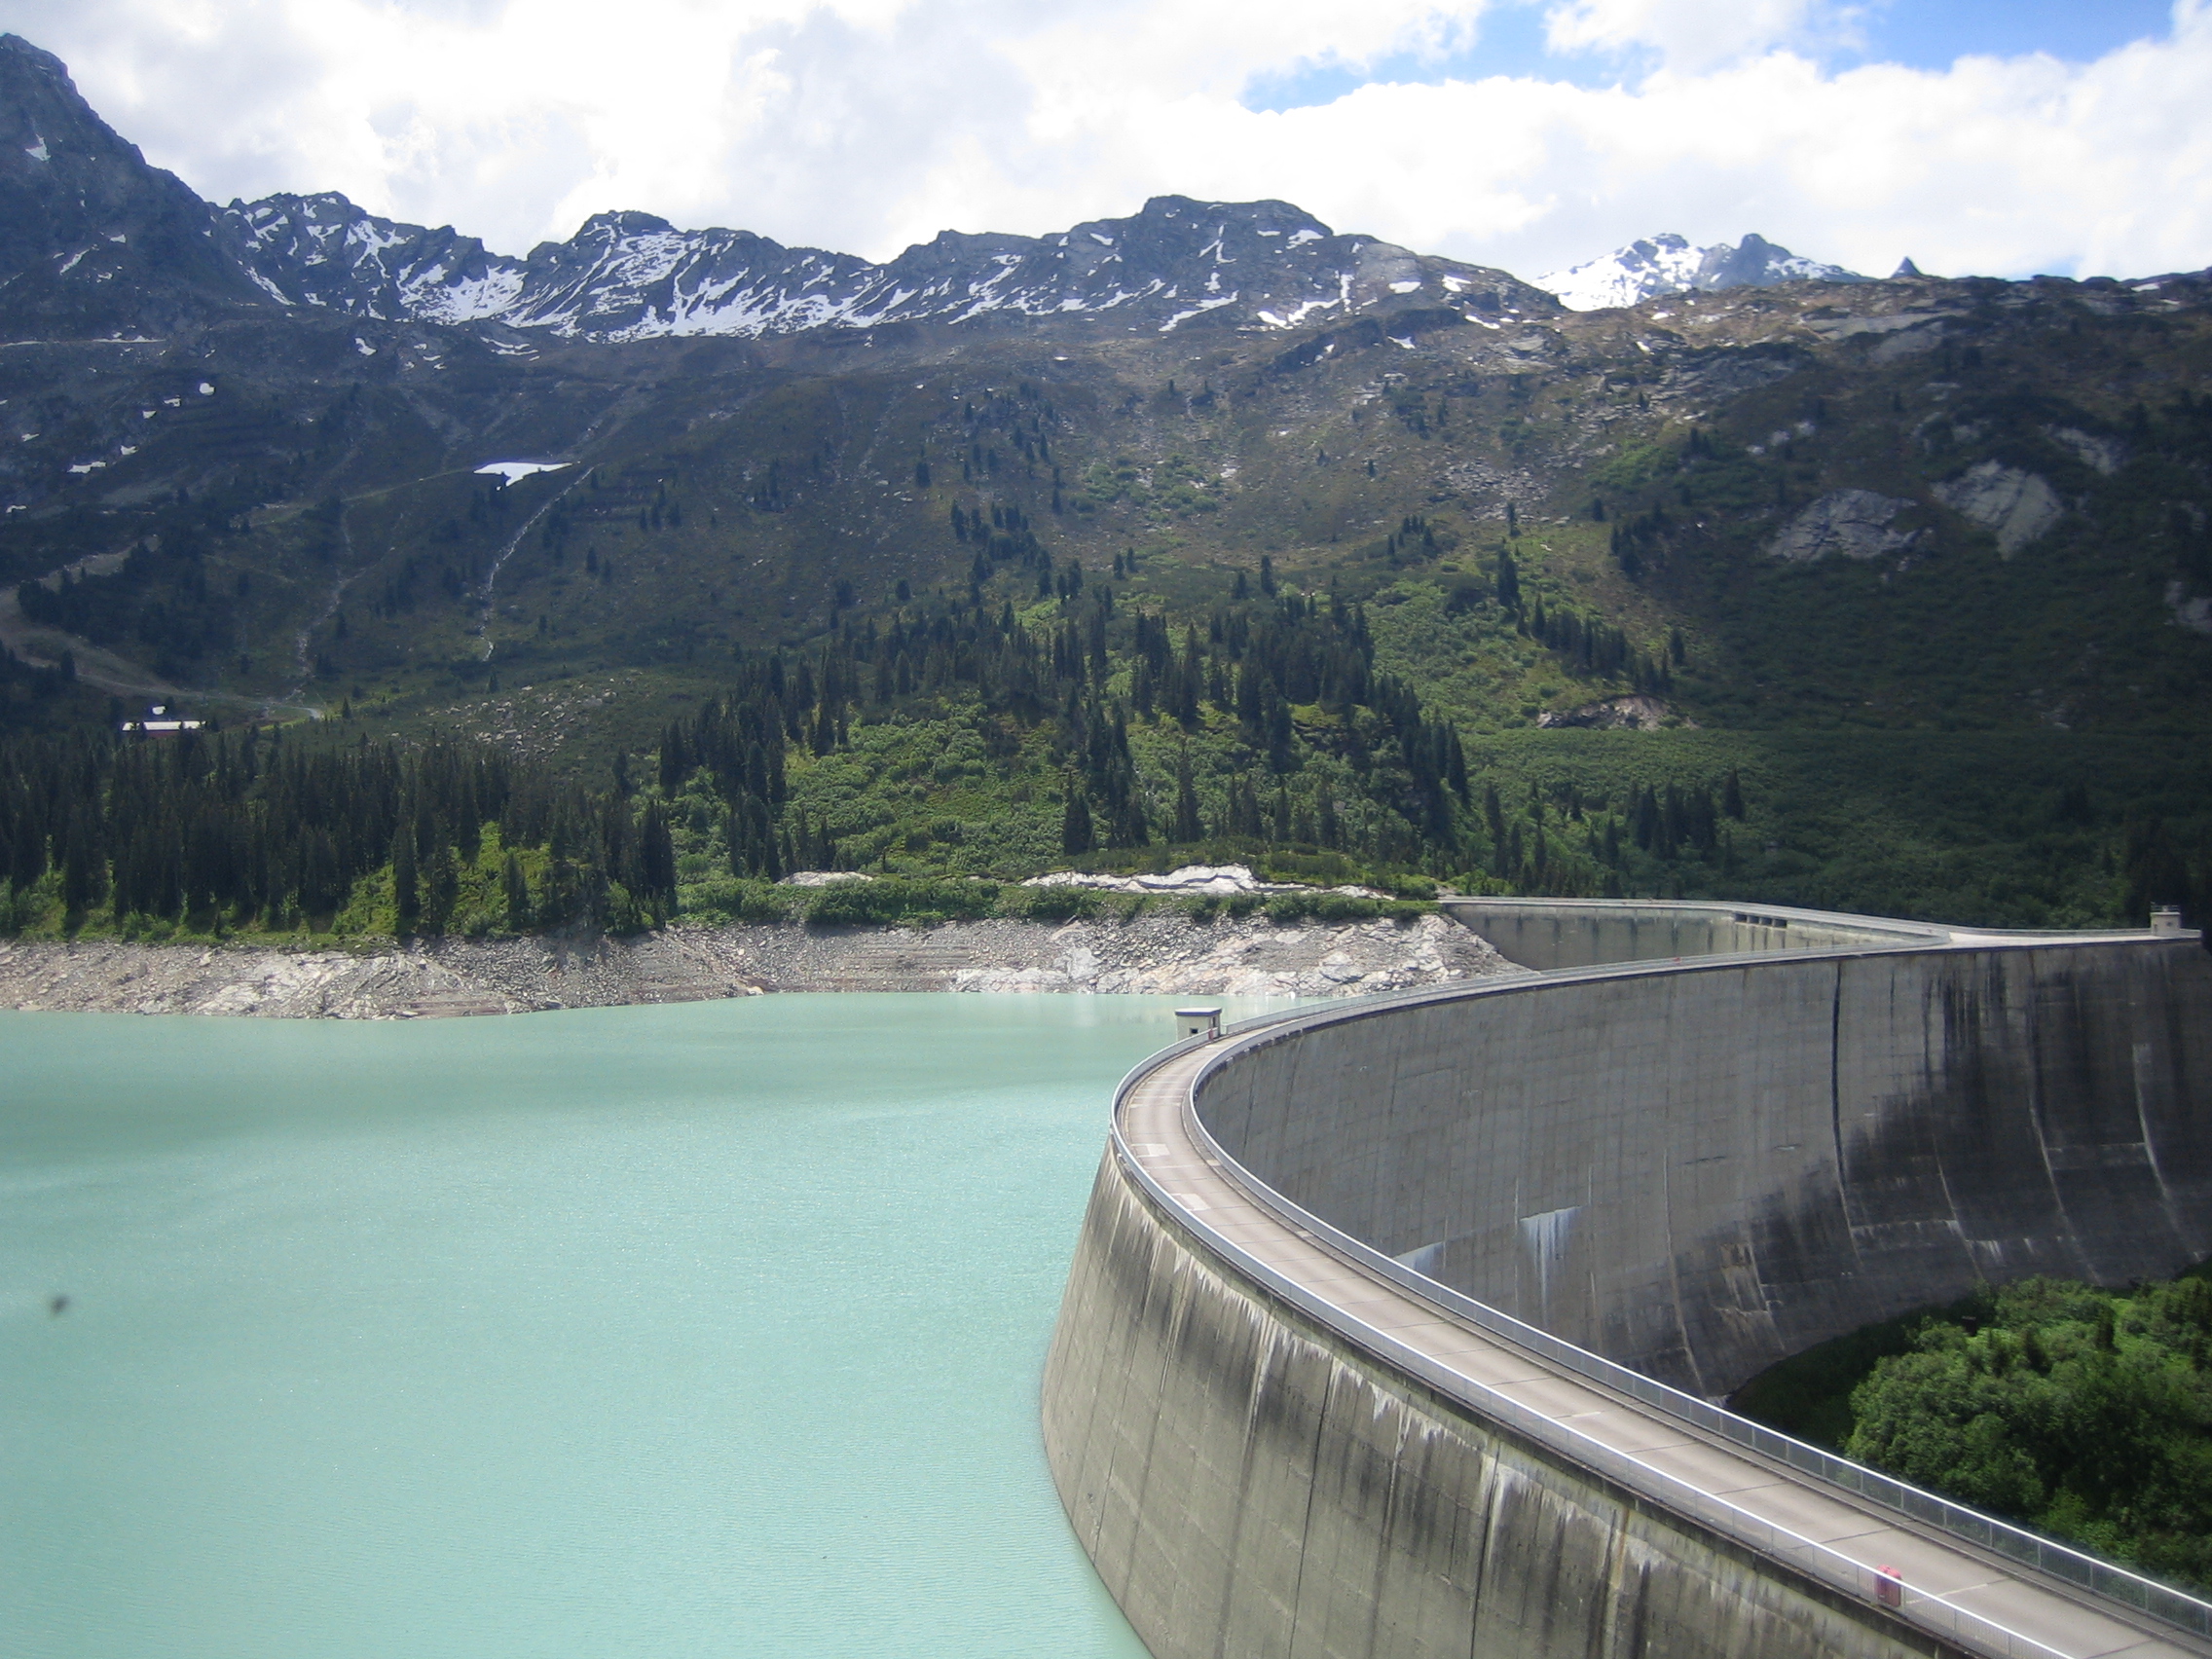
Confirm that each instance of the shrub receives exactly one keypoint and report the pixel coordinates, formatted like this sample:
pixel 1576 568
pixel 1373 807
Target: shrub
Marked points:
pixel 880 903
pixel 1054 904
pixel 1338 908
pixel 1407 886
pixel 726 899
pixel 2083 1413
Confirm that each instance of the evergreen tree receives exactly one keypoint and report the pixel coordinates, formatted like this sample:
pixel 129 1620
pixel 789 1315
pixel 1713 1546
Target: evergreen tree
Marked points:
pixel 443 887
pixel 517 892
pixel 406 891
pixel 1076 836
pixel 1508 580
pixel 1188 828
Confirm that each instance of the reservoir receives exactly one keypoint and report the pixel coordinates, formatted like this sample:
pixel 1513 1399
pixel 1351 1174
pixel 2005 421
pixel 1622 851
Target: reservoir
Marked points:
pixel 712 1329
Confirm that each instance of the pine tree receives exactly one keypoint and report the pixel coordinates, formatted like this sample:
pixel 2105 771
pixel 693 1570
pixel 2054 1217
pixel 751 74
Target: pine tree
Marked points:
pixel 444 887
pixel 517 894
pixel 1076 835
pixel 1188 828
pixel 656 862
pixel 1508 580
pixel 406 891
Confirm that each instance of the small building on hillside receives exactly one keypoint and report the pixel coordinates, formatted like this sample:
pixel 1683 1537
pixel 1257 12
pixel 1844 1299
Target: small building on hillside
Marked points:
pixel 158 721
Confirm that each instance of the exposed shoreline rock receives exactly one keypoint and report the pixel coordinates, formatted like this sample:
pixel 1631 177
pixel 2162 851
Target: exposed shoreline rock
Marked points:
pixel 1156 954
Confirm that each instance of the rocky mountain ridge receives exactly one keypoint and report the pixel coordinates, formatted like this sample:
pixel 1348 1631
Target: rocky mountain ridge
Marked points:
pixel 625 277
pixel 93 241
pixel 97 242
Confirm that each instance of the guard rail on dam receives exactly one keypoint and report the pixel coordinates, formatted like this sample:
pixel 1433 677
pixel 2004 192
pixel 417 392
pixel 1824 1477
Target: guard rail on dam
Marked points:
pixel 1394 1327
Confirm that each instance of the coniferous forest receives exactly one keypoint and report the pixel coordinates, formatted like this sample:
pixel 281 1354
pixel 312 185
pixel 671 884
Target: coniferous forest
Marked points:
pixel 1037 721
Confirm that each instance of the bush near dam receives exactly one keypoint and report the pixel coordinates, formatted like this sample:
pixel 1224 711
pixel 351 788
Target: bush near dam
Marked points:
pixel 2083 1413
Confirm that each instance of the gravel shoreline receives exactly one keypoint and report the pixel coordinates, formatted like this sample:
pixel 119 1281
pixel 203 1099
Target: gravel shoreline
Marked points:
pixel 1157 954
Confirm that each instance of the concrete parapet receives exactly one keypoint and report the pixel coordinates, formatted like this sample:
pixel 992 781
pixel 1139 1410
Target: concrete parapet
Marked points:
pixel 1700 1169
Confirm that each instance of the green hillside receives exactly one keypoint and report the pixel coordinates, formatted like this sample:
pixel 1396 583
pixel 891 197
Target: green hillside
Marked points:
pixel 1902 586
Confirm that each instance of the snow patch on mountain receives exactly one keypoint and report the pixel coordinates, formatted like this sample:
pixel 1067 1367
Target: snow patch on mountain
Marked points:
pixel 1667 264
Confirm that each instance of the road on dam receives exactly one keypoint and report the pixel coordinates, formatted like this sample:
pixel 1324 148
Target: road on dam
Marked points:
pixel 1965 1597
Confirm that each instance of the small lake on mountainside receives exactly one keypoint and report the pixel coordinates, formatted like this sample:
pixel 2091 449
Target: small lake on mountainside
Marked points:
pixel 701 1330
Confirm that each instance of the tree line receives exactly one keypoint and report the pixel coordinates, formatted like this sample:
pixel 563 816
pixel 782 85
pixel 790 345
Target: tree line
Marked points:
pixel 252 829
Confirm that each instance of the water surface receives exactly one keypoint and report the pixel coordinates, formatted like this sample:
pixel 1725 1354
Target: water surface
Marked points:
pixel 702 1330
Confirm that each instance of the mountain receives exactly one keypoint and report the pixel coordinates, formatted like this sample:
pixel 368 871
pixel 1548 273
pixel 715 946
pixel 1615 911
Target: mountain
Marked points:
pixel 242 453
pixel 1204 516
pixel 96 241
pixel 1262 264
pixel 1667 264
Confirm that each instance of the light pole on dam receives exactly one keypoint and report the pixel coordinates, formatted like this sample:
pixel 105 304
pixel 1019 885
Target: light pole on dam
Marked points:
pixel 1395 1328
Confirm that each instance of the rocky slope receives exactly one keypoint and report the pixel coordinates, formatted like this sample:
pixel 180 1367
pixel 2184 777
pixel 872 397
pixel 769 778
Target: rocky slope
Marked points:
pixel 1155 954
pixel 93 241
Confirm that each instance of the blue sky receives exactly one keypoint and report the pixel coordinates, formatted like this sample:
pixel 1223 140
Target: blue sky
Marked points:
pixel 1919 34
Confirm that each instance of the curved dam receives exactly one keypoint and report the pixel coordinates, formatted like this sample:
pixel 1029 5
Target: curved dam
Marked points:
pixel 1397 1327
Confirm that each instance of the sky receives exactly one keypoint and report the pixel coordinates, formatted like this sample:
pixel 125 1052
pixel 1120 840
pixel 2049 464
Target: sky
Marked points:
pixel 1998 137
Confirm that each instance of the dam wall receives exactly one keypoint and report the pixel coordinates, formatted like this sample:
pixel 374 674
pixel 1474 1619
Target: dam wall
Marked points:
pixel 1246 1484
pixel 1699 1170
pixel 1271 1447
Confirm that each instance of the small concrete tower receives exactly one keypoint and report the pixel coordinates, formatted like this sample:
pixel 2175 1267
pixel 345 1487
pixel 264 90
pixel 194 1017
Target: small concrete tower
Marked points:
pixel 2165 919
pixel 1202 1022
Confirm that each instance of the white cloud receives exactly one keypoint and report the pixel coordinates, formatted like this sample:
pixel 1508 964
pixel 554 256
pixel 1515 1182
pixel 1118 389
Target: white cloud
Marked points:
pixel 1688 33
pixel 865 125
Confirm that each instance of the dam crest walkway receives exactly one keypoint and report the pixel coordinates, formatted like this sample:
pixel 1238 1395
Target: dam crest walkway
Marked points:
pixel 1967 1598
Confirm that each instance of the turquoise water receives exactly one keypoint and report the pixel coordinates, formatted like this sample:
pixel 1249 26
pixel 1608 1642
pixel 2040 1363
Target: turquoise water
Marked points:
pixel 700 1330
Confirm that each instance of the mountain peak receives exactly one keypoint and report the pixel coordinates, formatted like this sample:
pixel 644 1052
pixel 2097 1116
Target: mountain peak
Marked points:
pixel 1667 264
pixel 621 224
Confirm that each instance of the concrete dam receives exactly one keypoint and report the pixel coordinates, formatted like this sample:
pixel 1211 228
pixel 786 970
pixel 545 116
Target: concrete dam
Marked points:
pixel 1399 1328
